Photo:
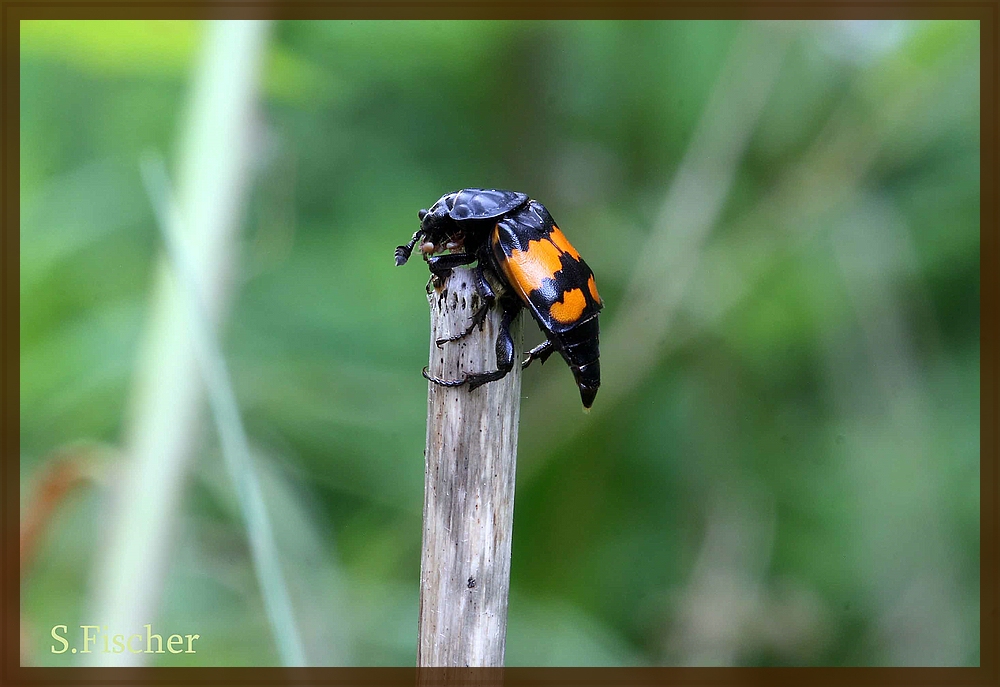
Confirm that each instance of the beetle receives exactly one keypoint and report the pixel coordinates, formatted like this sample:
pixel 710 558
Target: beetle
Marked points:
pixel 514 240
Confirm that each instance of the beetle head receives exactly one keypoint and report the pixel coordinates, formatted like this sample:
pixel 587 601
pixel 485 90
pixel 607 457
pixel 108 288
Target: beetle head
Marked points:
pixel 436 230
pixel 435 223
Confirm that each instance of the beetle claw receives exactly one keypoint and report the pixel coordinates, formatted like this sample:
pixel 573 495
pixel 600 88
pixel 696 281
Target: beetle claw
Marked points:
pixel 451 383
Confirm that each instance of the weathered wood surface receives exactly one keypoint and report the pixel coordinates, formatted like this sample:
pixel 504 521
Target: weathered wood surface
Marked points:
pixel 468 488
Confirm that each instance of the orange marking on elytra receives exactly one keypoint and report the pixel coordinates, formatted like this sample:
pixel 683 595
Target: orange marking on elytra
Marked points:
pixel 570 307
pixel 558 238
pixel 592 285
pixel 527 269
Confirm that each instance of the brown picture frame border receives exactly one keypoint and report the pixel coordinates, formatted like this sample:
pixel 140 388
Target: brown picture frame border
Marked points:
pixel 11 673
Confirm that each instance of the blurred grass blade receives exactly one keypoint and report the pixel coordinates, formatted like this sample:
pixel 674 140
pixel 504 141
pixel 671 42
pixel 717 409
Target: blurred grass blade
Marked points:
pixel 632 342
pixel 160 435
pixel 235 447
pixel 693 202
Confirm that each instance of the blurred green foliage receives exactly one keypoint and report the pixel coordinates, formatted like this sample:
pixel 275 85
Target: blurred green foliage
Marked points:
pixel 794 480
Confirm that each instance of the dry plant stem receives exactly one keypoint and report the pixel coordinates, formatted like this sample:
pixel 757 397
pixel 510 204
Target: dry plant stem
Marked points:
pixel 468 487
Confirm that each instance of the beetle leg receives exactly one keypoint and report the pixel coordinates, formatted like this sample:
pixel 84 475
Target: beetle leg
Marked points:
pixel 505 354
pixel 542 352
pixel 441 265
pixel 442 382
pixel 485 292
pixel 478 317
pixel 505 348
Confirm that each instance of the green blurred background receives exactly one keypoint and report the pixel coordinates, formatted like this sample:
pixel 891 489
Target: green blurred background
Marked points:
pixel 782 467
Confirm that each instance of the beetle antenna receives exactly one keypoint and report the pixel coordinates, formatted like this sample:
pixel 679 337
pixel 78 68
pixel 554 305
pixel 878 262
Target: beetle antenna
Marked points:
pixel 403 252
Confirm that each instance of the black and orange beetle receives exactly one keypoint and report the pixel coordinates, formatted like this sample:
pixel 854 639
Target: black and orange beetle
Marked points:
pixel 515 239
